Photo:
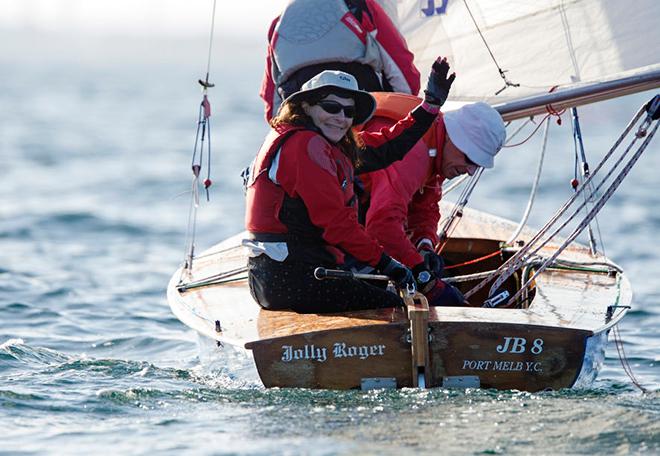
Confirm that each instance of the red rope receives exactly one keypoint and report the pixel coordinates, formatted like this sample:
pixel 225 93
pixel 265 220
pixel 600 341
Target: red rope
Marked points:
pixel 551 112
pixel 531 134
pixel 476 260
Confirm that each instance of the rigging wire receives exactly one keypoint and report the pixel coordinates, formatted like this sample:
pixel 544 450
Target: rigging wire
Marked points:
pixel 642 131
pixel 457 212
pixel 202 139
pixel 536 243
pixel 451 187
pixel 208 60
pixel 502 72
pixel 578 146
pixel 535 185
pixel 618 342
pixel 509 137
pixel 516 261
pixel 546 117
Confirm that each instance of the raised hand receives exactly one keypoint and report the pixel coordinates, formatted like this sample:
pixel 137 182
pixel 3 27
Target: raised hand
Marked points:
pixel 438 85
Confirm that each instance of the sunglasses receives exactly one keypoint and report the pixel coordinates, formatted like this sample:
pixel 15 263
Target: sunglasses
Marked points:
pixel 332 107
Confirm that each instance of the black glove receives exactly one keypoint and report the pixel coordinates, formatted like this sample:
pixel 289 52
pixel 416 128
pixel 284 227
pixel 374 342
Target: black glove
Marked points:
pixel 432 261
pixel 438 85
pixel 444 294
pixel 424 278
pixel 399 274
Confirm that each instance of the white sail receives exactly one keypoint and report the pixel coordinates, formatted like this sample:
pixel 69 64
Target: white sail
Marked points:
pixel 540 44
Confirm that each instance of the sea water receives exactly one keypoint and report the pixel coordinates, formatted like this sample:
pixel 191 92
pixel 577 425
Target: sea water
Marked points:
pixel 95 142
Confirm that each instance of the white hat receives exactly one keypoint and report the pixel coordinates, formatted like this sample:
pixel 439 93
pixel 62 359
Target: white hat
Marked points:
pixel 365 103
pixel 478 131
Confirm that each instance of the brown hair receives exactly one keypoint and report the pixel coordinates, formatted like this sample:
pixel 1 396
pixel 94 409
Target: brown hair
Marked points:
pixel 293 113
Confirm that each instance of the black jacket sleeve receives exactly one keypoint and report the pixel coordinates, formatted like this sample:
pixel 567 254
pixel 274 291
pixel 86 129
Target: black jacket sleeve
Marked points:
pixel 389 145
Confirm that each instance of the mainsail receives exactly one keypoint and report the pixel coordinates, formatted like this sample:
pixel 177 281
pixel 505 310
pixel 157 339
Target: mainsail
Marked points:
pixel 541 47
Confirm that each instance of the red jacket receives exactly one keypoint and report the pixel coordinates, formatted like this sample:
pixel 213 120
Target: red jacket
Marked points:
pixel 398 68
pixel 403 207
pixel 312 204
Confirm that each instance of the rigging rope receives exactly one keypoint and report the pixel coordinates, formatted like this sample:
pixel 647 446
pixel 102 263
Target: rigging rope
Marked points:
pixel 547 117
pixel 618 342
pixel 502 72
pixel 455 184
pixel 457 212
pixel 535 185
pixel 202 137
pixel 515 262
pixel 509 137
pixel 578 146
pixel 474 261
pixel 597 207
pixel 536 243
pixel 552 112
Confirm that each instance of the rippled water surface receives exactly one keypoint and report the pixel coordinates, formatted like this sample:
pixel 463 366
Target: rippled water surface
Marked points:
pixel 95 145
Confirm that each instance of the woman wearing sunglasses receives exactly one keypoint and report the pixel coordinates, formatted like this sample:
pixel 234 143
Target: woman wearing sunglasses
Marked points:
pixel 301 206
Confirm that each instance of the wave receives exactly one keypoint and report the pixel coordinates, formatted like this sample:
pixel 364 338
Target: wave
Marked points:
pixel 16 352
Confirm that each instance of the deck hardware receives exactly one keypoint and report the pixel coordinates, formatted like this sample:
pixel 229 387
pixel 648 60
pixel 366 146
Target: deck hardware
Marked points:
pixel 371 383
pixel 218 328
pixel 418 315
pixel 611 309
pixel 461 381
pixel 497 299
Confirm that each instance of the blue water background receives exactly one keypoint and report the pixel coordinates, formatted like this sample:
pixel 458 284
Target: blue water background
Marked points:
pixel 95 141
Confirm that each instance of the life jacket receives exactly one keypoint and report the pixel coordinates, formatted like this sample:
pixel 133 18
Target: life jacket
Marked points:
pixel 301 39
pixel 274 216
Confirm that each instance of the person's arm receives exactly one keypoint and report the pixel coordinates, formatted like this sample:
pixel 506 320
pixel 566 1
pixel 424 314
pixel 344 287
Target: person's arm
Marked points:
pixel 307 170
pixel 268 91
pixel 399 69
pixel 424 213
pixel 391 144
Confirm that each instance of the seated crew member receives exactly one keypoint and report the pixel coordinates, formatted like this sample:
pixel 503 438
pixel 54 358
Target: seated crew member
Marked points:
pixel 301 208
pixel 353 36
pixel 400 205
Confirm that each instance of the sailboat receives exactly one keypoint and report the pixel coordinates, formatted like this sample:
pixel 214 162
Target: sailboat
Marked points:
pixel 542 303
